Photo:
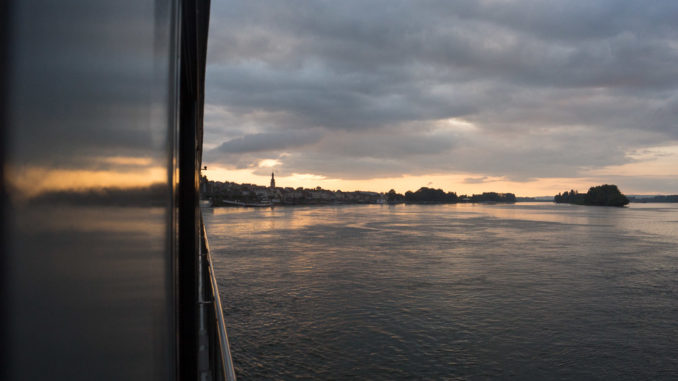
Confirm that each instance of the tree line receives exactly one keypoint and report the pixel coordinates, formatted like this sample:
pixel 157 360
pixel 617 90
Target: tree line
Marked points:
pixel 425 195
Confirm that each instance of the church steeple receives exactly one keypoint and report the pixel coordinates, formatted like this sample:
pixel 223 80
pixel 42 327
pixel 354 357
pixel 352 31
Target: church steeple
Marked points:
pixel 272 180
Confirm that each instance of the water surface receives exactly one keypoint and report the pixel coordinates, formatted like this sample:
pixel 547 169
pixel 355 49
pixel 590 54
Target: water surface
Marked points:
pixel 529 291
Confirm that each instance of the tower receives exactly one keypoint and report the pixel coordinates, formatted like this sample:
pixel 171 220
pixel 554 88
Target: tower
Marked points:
pixel 272 180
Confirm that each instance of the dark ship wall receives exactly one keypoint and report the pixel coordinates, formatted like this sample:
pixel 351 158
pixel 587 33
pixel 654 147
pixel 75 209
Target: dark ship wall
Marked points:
pixel 101 107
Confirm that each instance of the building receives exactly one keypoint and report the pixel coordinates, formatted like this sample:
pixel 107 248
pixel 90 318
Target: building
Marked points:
pixel 272 180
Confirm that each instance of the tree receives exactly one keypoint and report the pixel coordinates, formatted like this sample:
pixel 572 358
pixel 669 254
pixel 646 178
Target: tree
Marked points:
pixel 603 195
pixel 391 196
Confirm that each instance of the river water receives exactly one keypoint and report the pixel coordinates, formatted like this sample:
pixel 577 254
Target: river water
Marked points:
pixel 525 291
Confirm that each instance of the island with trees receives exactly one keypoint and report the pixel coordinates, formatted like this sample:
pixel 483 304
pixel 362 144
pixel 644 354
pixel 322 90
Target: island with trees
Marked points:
pixel 425 195
pixel 602 195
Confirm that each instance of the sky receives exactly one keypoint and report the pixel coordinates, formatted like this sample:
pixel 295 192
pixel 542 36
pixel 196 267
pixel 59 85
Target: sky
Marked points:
pixel 524 96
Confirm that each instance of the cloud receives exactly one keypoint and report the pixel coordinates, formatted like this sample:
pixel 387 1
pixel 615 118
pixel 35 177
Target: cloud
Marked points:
pixel 357 89
pixel 475 180
pixel 264 142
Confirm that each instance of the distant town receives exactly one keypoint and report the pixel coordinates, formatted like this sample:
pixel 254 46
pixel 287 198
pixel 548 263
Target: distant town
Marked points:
pixel 234 194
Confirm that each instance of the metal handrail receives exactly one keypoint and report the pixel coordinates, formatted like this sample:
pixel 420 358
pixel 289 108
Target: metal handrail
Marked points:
pixel 227 371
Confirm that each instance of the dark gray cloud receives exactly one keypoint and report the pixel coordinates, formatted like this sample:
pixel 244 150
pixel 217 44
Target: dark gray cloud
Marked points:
pixel 360 89
pixel 268 142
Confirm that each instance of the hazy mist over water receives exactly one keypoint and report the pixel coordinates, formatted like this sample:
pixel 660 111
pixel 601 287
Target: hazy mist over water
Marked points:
pixel 530 291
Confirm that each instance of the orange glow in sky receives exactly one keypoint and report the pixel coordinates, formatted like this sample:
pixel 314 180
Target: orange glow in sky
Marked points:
pixel 447 182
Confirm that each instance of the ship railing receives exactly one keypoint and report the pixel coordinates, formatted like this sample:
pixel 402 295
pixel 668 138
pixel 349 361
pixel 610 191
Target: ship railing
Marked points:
pixel 214 357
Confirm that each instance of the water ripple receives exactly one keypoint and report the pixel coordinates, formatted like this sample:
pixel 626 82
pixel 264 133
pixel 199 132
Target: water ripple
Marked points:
pixel 527 291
